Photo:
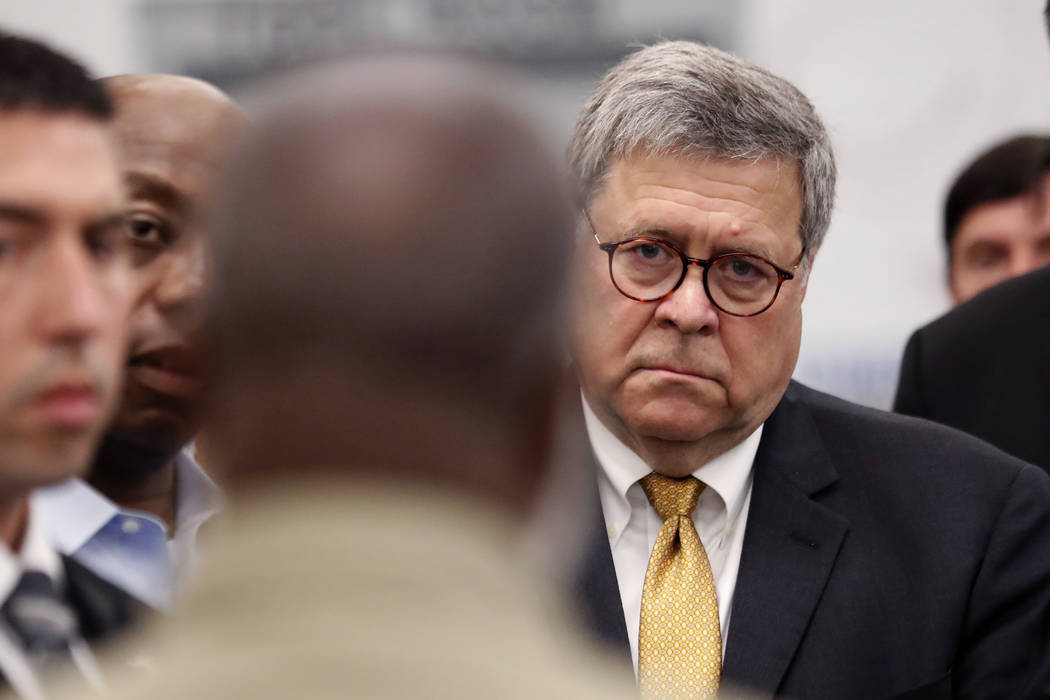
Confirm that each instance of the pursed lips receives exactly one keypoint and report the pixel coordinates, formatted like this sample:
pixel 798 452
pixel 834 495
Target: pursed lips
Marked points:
pixel 71 402
pixel 676 371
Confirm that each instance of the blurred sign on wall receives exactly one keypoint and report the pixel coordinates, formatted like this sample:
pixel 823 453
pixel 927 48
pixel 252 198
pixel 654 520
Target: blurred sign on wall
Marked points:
pixel 227 41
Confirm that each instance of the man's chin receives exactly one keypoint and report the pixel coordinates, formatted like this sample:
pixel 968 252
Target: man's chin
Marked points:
pixel 677 417
pixel 672 431
pixel 156 426
pixel 673 425
pixel 47 465
pixel 131 457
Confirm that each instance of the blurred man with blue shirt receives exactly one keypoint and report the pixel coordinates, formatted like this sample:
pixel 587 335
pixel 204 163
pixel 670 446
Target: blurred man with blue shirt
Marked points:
pixel 135 519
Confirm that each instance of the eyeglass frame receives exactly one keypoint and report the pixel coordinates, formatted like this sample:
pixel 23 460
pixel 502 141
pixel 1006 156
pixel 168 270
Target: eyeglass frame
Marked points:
pixel 704 264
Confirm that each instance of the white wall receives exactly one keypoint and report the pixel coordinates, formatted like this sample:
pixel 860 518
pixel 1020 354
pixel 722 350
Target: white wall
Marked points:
pixel 910 91
pixel 95 32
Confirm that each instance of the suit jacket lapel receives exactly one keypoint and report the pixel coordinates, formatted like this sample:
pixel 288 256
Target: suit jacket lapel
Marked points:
pixel 101 608
pixel 790 548
pixel 597 591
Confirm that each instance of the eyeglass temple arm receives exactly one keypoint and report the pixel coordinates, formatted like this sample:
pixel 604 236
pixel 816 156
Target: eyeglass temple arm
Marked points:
pixel 594 232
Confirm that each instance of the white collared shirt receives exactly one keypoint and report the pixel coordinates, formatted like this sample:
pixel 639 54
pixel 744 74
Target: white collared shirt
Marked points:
pixel 129 548
pixel 633 524
pixel 36 554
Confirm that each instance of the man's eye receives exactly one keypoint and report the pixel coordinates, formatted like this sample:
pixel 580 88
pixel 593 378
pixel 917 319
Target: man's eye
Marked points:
pixel 649 251
pixel 646 251
pixel 145 231
pixel 742 268
pixel 986 255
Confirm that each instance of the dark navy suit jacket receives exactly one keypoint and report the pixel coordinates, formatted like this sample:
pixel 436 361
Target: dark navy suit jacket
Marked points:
pixel 102 610
pixel 884 556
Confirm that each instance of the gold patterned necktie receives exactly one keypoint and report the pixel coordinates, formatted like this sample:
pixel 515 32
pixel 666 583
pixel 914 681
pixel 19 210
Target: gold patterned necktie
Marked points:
pixel 679 640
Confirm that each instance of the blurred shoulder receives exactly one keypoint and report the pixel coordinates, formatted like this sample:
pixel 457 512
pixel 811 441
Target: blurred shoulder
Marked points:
pixel 1019 307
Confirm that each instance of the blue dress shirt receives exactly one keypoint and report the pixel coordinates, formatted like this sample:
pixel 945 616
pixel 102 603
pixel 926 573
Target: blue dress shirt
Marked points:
pixel 132 549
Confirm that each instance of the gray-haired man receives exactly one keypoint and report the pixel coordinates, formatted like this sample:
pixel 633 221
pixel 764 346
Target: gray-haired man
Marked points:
pixel 754 530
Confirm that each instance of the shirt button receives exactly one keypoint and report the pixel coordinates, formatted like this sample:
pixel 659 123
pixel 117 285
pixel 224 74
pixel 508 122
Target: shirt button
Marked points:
pixel 611 530
pixel 130 526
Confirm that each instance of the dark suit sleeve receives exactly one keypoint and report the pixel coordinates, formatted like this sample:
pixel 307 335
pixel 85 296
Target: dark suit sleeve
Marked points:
pixel 1005 649
pixel 909 399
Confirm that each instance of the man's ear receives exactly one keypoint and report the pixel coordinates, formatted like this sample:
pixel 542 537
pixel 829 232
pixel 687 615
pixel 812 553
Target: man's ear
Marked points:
pixel 949 278
pixel 807 271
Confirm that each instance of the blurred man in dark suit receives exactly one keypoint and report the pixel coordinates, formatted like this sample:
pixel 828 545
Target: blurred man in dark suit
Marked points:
pixel 136 524
pixel 984 367
pixel 997 216
pixel 751 529
pixel 65 293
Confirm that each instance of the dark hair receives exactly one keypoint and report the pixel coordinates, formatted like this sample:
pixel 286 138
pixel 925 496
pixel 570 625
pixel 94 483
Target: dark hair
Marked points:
pixel 33 76
pixel 1013 168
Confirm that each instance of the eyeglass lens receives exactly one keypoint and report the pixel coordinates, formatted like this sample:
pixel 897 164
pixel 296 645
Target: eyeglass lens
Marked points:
pixel 738 283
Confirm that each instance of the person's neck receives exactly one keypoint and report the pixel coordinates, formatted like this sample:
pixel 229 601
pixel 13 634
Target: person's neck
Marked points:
pixel 14 518
pixel 155 494
pixel 414 437
pixel 679 459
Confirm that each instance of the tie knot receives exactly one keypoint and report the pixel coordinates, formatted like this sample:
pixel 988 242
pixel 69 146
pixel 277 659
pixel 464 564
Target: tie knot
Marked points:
pixel 672 497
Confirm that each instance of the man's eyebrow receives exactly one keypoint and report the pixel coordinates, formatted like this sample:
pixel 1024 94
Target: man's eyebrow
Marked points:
pixel 158 190
pixel 21 214
pixel 647 230
pixel 115 219
pixel 643 228
pixel 750 248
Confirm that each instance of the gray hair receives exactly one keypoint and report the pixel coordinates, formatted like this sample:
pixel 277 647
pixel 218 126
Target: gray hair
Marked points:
pixel 683 98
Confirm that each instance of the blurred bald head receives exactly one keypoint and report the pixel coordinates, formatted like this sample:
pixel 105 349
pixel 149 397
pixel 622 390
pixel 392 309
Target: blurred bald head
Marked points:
pixel 399 228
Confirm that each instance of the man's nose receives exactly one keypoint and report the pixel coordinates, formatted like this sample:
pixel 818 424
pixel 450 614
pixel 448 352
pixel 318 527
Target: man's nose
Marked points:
pixel 688 308
pixel 72 305
pixel 1025 262
pixel 182 286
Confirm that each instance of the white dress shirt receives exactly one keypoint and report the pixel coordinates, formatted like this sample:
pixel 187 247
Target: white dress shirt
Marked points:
pixel 37 554
pixel 132 549
pixel 633 524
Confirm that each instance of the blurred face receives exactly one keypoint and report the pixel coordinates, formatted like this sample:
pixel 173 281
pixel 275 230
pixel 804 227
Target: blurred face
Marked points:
pixel 64 294
pixel 169 150
pixel 1000 240
pixel 679 370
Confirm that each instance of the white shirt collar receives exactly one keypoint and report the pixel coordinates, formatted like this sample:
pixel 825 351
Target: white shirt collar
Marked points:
pixel 199 497
pixel 728 475
pixel 74 511
pixel 36 553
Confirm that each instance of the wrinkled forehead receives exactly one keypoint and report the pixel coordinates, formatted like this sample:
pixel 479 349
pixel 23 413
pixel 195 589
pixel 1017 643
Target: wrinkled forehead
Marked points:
pixel 679 190
pixel 172 137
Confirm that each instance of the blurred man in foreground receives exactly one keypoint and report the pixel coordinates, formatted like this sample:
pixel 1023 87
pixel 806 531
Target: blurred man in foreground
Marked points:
pixel 752 529
pixel 136 524
pixel 388 273
pixel 997 216
pixel 64 299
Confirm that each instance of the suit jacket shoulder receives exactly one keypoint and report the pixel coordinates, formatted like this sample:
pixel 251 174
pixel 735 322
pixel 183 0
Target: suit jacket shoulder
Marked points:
pixel 984 368
pixel 886 554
